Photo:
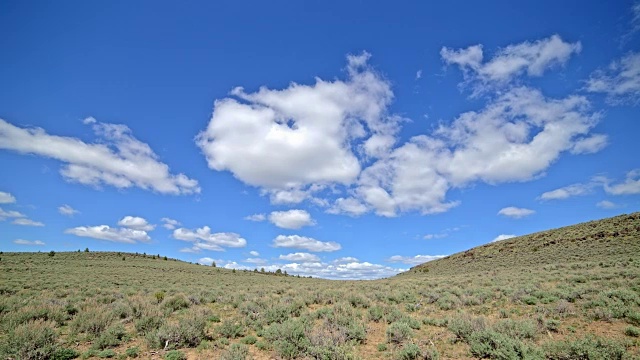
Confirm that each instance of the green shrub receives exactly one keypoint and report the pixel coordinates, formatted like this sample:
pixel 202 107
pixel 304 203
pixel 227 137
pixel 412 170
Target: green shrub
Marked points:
pixel 463 327
pixel 108 353
pixel 398 332
pixel 586 348
pixel 110 338
pixel 132 352
pixel 375 313
pixel 64 354
pixel 382 347
pixel 289 338
pixel 632 331
pixel 188 332
pixel 148 323
pixel 494 345
pixel 32 340
pixel 236 352
pixel 409 352
pixel 92 321
pixel 176 303
pixel 159 296
pixel 231 329
pixel 175 355
pixel 249 340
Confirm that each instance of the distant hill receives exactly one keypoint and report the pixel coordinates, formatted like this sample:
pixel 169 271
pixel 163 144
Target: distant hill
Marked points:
pixel 606 240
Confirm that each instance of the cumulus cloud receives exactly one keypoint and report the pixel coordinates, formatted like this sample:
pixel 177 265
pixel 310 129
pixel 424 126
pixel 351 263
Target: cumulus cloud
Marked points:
pixel 28 242
pixel 117 159
pixel 6 198
pixel 590 145
pixel 26 222
pixel 503 237
pixel 291 219
pixel 515 212
pixel 10 214
pixel 105 232
pixel 203 239
pixel 67 210
pixel 305 243
pixel 630 186
pixel 568 191
pixel 169 223
pixel 136 223
pixel 620 81
pixel 255 260
pixel 285 141
pixel 300 256
pixel 532 58
pixel 606 204
pixel 414 260
pixel 256 217
pixel 254 253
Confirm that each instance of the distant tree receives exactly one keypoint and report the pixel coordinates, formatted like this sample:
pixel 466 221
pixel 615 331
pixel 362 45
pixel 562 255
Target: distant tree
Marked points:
pixel 52 253
pixel 233 271
pixel 213 264
pixel 165 258
pixel 285 273
pixel 123 258
pixel 255 270
pixel 262 270
pixel 278 272
pixel 86 249
pixel 78 250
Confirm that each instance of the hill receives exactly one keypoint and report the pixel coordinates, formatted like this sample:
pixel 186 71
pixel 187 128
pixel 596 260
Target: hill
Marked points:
pixel 570 293
pixel 607 240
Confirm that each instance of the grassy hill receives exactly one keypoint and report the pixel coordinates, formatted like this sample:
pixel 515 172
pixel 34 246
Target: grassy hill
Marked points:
pixel 570 293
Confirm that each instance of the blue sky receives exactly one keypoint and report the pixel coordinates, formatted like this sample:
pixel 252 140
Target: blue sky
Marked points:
pixel 331 139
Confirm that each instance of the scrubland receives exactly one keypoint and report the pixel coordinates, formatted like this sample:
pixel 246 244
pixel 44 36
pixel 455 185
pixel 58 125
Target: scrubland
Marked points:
pixel 570 293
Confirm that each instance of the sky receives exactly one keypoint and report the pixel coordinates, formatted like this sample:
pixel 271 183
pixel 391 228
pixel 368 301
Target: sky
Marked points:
pixel 341 140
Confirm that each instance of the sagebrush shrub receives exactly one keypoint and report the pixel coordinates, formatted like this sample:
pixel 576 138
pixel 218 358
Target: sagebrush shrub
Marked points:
pixel 32 340
pixel 398 332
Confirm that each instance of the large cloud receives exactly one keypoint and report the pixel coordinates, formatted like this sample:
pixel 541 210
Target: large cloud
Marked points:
pixel 291 219
pixel 620 81
pixel 305 243
pixel 105 232
pixel 286 140
pixel 203 239
pixel 532 58
pixel 118 159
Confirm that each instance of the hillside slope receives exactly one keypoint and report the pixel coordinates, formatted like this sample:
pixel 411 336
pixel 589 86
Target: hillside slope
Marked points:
pixel 606 240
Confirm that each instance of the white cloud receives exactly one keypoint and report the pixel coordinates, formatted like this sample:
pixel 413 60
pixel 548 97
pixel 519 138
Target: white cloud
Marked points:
pixel 291 219
pixel 26 222
pixel 348 206
pixel 105 232
pixel 620 81
pixel 567 192
pixel 254 253
pixel 203 239
pixel 516 137
pixel 435 236
pixel 89 120
pixel 514 212
pixel 28 242
pixel 503 237
pixel 169 223
pixel 256 261
pixel 414 260
pixel 256 217
pixel 6 198
pixel 630 186
pixel 10 214
pixel 606 204
pixel 285 141
pixel 590 145
pixel 117 159
pixel 418 74
pixel 305 243
pixel 301 257
pixel 67 210
pixel 532 58
pixel 136 223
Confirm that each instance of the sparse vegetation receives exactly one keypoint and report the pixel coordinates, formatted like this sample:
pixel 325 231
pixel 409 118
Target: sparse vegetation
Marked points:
pixel 576 297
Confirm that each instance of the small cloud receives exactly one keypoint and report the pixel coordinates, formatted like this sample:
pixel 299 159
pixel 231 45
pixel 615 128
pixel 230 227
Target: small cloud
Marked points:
pixel 136 223
pixel 6 198
pixel 89 120
pixel 27 222
pixel 10 214
pixel 291 219
pixel 567 192
pixel 300 256
pixel 306 243
pixel 104 232
pixel 418 74
pixel 170 224
pixel 630 186
pixel 254 253
pixel 256 217
pixel 606 204
pixel 502 237
pixel 28 242
pixel 516 213
pixel 67 210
